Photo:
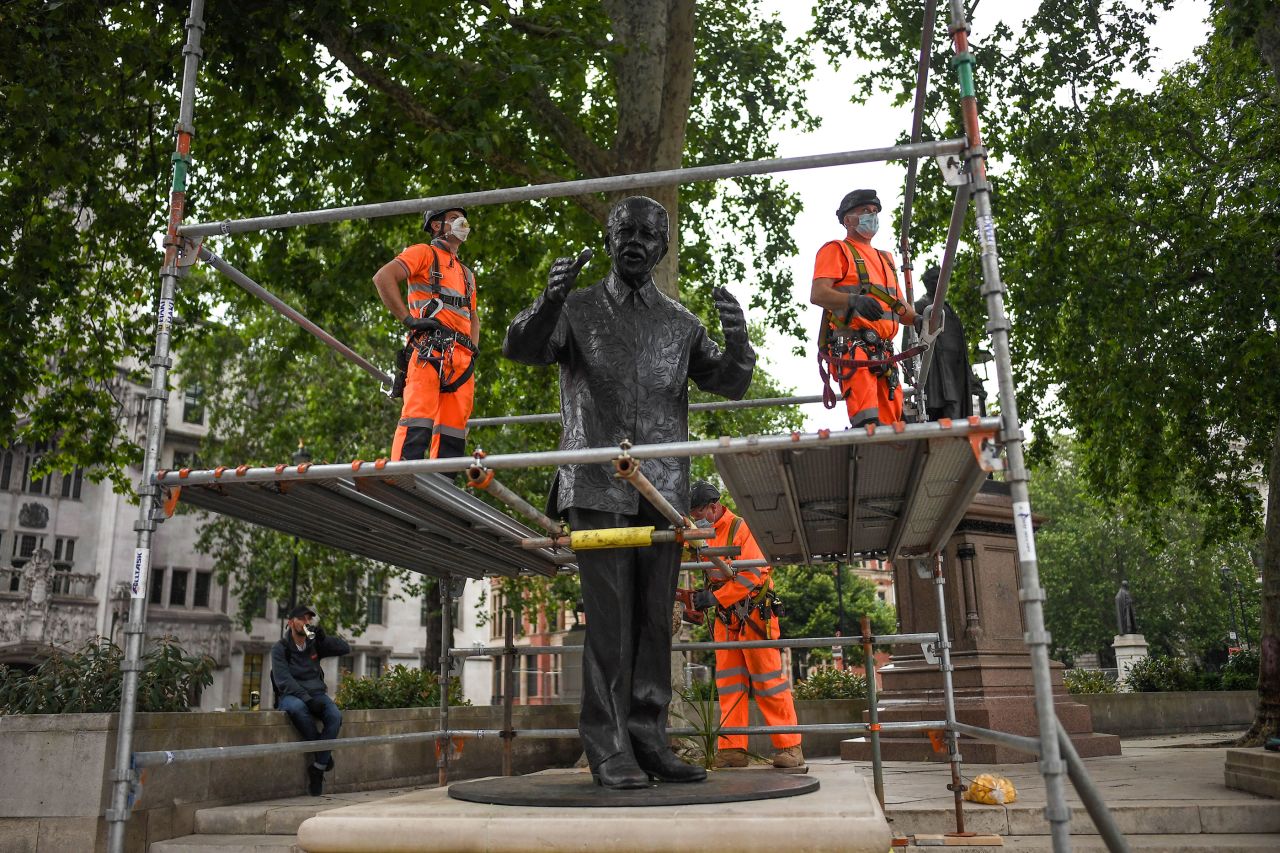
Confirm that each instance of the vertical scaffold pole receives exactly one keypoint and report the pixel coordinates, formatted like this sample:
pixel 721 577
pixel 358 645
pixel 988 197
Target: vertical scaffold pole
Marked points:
pixel 446 658
pixel 1037 638
pixel 948 693
pixel 873 713
pixel 157 397
pixel 508 692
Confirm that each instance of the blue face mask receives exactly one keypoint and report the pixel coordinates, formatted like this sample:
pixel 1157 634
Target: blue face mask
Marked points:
pixel 868 224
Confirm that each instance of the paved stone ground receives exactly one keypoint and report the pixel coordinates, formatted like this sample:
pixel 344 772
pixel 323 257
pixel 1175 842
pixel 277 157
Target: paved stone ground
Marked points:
pixel 1167 793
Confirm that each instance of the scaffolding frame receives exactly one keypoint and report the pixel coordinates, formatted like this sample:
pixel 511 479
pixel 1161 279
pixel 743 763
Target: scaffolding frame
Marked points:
pixel 967 174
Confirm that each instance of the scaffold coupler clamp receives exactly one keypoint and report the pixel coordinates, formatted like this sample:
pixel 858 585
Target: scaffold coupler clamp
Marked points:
pixel 133 777
pixel 479 475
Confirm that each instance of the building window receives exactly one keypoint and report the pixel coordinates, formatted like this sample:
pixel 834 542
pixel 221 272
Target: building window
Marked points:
pixel 178 587
pixel 204 582
pixel 185 459
pixel 6 468
pixel 155 594
pixel 193 404
pixel 377 608
pixel 252 678
pixel 24 546
pixel 257 604
pixel 34 487
pixel 64 553
pixel 374 664
pixel 346 666
pixel 72 483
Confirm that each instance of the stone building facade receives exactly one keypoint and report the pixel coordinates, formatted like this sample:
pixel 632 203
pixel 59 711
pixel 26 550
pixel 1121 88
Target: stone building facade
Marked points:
pixel 66 551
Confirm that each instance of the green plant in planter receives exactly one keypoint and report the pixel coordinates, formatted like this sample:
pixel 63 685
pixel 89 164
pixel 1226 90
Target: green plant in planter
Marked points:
pixel 89 680
pixel 1159 674
pixel 1241 672
pixel 397 687
pixel 1088 681
pixel 832 684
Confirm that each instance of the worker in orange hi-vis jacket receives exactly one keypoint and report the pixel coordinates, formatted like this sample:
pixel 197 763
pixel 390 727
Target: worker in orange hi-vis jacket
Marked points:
pixel 856 285
pixel 745 609
pixel 436 369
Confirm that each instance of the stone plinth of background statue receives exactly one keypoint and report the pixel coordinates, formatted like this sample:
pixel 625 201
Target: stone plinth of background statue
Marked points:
pixel 1129 644
pixel 992 676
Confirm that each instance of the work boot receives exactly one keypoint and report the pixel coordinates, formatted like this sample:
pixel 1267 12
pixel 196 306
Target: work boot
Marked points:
pixel 789 758
pixel 731 758
pixel 315 780
pixel 663 766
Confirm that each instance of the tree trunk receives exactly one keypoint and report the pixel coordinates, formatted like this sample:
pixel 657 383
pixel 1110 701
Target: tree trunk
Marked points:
pixel 1267 38
pixel 1267 722
pixel 654 77
pixel 431 633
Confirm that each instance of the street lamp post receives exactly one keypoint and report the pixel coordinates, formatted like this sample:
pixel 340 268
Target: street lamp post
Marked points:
pixel 1227 580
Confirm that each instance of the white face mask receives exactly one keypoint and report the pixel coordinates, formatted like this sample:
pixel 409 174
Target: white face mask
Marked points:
pixel 868 224
pixel 704 524
pixel 460 228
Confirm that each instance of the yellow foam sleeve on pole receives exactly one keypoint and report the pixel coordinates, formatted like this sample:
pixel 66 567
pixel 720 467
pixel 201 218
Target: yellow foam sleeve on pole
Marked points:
pixel 613 537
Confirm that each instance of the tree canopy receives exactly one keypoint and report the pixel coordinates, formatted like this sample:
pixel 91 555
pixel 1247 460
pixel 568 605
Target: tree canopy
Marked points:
pixel 1139 234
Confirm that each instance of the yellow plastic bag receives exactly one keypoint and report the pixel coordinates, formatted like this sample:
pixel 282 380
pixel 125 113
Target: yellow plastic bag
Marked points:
pixel 991 790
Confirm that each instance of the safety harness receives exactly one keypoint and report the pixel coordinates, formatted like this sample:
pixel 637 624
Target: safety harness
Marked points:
pixel 836 346
pixel 765 602
pixel 436 347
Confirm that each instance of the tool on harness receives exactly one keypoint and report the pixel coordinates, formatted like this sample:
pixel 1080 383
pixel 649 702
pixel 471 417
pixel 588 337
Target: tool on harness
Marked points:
pixel 436 348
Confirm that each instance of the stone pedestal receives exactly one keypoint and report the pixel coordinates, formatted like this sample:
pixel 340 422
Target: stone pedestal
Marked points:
pixel 1130 648
pixel 992 676
pixel 1254 770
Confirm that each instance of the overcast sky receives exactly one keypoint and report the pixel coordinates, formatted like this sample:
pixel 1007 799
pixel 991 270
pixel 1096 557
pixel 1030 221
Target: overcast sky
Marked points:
pixel 878 123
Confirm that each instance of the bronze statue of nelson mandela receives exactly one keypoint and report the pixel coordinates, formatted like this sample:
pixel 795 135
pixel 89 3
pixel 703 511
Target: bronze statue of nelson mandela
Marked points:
pixel 626 354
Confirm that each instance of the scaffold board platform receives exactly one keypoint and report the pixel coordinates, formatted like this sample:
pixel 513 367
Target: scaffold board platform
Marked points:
pixel 878 499
pixel 420 522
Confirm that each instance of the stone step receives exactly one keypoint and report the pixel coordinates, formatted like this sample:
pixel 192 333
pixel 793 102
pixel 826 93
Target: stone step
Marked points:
pixel 1181 817
pixel 279 817
pixel 1093 844
pixel 227 844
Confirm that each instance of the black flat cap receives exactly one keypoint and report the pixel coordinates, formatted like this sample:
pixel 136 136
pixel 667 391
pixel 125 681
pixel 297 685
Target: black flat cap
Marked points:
pixel 702 493
pixel 855 199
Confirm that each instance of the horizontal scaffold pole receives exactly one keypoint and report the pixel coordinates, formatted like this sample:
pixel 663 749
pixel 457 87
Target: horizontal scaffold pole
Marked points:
pixel 615 537
pixel 797 643
pixel 562 189
pixel 718 406
pixel 292 314
pixel 592 455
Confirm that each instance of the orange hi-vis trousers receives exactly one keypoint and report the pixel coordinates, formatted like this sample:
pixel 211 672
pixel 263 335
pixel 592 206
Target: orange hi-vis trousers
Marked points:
pixel 759 669
pixel 867 395
pixel 432 422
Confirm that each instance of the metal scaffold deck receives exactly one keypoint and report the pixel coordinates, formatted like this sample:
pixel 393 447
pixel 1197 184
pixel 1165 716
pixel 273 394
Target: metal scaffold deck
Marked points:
pixel 418 522
pixel 881 499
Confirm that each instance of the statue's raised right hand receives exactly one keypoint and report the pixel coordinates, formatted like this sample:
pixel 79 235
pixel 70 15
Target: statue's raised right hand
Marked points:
pixel 564 274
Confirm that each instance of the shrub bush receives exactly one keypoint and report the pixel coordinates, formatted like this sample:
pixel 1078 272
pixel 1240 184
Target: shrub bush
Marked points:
pixel 89 681
pixel 1241 672
pixel 1158 674
pixel 832 684
pixel 1209 681
pixel 1088 681
pixel 397 687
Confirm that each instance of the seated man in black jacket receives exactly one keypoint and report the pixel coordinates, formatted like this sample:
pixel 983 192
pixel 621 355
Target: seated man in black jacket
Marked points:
pixel 300 688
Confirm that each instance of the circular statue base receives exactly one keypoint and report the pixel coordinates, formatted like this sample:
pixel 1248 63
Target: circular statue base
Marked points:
pixel 578 790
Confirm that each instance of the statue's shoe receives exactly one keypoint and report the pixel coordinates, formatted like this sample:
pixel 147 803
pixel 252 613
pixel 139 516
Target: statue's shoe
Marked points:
pixel 665 767
pixel 620 772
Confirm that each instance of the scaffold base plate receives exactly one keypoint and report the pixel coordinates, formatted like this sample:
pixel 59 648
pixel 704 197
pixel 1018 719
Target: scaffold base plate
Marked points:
pixel 577 790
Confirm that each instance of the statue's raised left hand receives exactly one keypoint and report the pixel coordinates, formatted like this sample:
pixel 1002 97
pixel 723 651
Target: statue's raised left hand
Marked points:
pixel 732 321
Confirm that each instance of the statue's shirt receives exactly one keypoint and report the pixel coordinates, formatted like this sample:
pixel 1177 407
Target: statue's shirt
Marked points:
pixel 625 358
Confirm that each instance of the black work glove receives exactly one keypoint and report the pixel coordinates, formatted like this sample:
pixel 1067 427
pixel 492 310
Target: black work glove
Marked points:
pixel 317 706
pixel 704 599
pixel 564 275
pixel 422 324
pixel 733 323
pixel 866 307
